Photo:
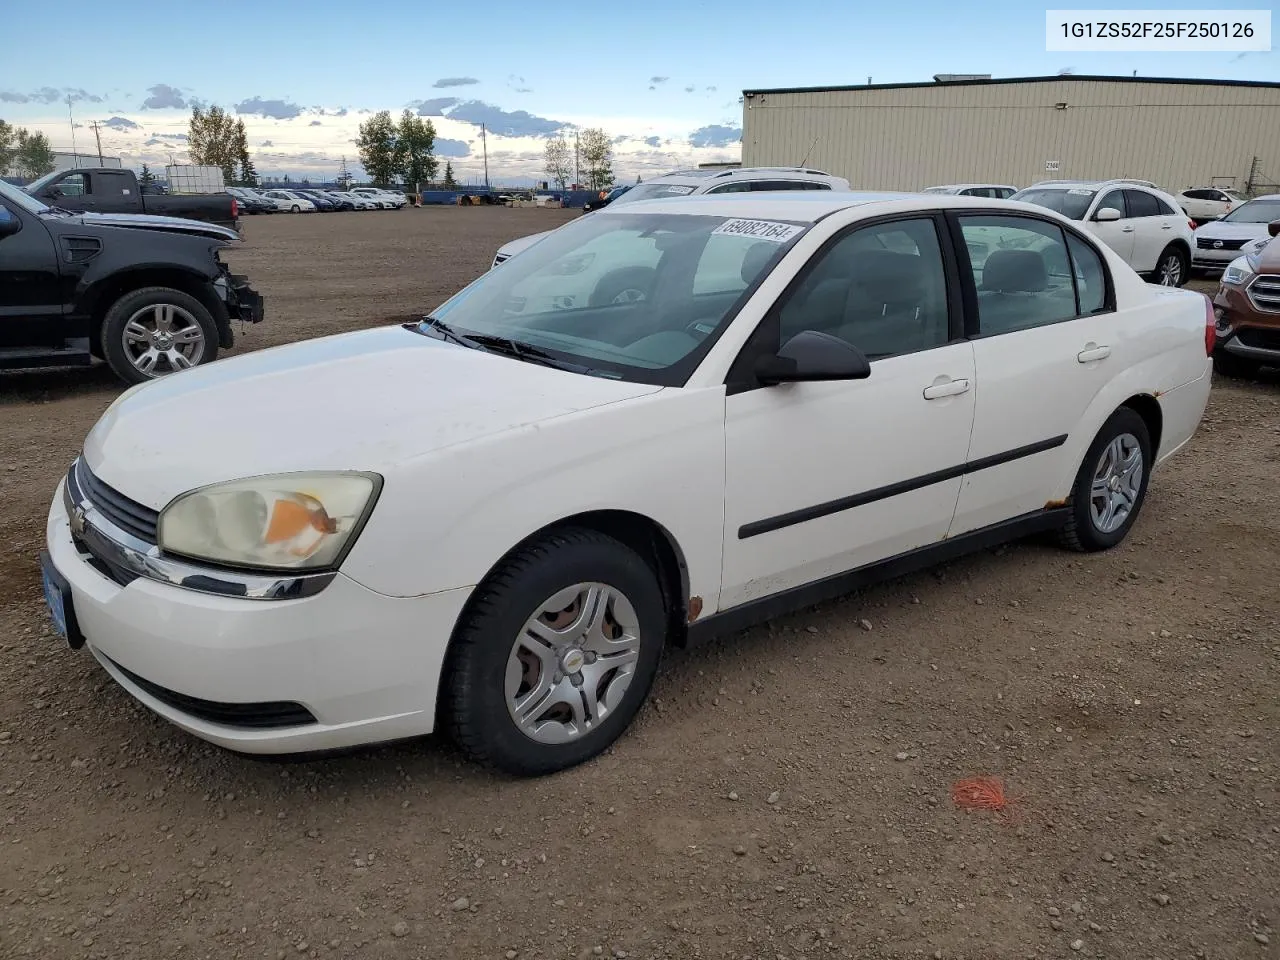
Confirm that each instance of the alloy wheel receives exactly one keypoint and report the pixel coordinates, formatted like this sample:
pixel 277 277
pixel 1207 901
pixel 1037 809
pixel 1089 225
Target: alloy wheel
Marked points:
pixel 1171 270
pixel 162 338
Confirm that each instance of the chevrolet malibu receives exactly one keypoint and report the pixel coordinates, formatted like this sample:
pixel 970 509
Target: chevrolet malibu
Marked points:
pixel 494 520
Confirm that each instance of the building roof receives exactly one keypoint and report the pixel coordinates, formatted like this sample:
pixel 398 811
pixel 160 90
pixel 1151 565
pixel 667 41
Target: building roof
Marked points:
pixel 1057 78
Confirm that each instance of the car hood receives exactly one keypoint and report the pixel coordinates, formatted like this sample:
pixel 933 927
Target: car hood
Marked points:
pixel 360 401
pixel 146 221
pixel 524 243
pixel 1231 231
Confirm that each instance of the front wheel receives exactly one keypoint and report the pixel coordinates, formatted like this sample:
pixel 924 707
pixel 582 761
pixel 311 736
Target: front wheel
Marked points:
pixel 295 209
pixel 1173 268
pixel 153 332
pixel 1112 484
pixel 555 654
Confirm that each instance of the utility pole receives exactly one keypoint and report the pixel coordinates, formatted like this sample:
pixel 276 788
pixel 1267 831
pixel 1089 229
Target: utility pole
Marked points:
pixel 71 117
pixel 576 179
pixel 98 137
pixel 484 140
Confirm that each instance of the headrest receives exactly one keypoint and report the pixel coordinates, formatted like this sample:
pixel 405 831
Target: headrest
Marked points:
pixel 886 276
pixel 1015 271
pixel 755 258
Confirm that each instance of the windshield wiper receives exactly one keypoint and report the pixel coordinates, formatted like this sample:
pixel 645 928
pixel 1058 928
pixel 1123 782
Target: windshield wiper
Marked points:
pixel 525 351
pixel 447 332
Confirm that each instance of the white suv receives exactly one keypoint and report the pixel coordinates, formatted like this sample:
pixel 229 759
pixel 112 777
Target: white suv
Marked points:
pixel 1208 203
pixel 1140 222
pixel 687 183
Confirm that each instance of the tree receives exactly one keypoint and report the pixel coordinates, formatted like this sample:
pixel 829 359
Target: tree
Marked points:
pixel 449 182
pixel 638 180
pixel 212 140
pixel 378 146
pixel 146 178
pixel 8 146
pixel 559 160
pixel 415 141
pixel 34 155
pixel 597 158
pixel 248 173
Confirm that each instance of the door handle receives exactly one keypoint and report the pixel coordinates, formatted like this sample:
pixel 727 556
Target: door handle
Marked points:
pixel 1093 352
pixel 1167 226
pixel 949 389
pixel 1126 229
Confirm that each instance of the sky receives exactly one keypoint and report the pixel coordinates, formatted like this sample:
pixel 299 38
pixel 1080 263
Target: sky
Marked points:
pixel 664 82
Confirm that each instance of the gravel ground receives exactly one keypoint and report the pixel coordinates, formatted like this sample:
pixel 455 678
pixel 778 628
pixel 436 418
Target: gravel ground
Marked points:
pixel 787 793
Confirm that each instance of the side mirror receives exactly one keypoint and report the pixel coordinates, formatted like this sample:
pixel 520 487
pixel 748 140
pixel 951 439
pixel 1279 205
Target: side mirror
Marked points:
pixel 1273 228
pixel 813 356
pixel 9 224
pixel 1106 215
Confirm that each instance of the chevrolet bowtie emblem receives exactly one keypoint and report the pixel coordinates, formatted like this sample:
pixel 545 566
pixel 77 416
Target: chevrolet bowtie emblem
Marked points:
pixel 77 522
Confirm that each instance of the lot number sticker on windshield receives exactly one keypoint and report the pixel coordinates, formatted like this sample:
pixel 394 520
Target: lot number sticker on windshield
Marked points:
pixel 758 230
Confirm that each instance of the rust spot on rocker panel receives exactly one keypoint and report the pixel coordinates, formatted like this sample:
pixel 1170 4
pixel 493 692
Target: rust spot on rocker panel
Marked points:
pixel 695 608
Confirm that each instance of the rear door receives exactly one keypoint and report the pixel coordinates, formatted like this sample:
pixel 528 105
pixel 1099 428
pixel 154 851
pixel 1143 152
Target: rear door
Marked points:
pixel 1044 331
pixel 1153 228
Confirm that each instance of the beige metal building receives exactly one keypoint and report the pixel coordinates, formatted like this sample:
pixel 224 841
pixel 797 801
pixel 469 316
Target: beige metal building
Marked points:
pixel 1177 133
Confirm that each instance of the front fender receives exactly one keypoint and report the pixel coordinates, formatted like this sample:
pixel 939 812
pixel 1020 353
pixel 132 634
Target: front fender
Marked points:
pixel 445 520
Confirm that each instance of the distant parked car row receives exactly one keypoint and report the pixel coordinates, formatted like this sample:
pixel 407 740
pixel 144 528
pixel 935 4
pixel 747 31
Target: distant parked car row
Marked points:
pixel 315 200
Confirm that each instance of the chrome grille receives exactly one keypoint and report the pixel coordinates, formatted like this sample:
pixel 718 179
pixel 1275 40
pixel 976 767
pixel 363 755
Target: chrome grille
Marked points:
pixel 129 515
pixel 1264 292
pixel 1205 243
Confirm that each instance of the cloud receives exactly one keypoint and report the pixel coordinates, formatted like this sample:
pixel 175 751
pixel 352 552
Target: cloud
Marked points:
pixel 653 141
pixel 47 95
pixel 689 89
pixel 267 143
pixel 516 123
pixel 79 94
pixel 276 109
pixel 715 135
pixel 434 107
pixel 120 123
pixel 315 123
pixel 524 89
pixel 621 138
pixel 711 89
pixel 9 96
pixel 518 84
pixel 657 80
pixel 445 82
pixel 172 136
pixel 452 148
pixel 1066 71
pixel 164 97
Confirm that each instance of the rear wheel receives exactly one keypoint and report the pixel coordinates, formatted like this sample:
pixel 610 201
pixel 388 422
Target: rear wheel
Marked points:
pixel 1229 365
pixel 1173 268
pixel 153 332
pixel 1111 485
pixel 555 655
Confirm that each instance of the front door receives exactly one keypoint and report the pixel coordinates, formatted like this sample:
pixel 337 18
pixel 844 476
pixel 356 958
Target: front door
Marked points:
pixel 1046 343
pixel 826 477
pixel 30 292
pixel 1116 234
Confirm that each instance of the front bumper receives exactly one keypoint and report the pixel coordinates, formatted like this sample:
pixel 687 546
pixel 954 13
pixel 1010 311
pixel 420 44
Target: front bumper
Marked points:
pixel 1214 260
pixel 341 668
pixel 244 302
pixel 1243 330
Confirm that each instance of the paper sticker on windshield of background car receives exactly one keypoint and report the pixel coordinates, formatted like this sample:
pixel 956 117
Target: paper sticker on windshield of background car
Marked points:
pixel 758 230
pixel 677 191
pixel 1080 193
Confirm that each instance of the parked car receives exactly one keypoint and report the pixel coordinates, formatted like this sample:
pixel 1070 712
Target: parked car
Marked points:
pixel 995 191
pixel 608 198
pixel 149 295
pixel 1247 307
pixel 322 203
pixel 388 198
pixel 1141 223
pixel 527 600
pixel 250 202
pixel 116 190
pixel 1220 242
pixel 688 183
pixel 290 201
pixel 1203 204
pixel 360 201
pixel 342 202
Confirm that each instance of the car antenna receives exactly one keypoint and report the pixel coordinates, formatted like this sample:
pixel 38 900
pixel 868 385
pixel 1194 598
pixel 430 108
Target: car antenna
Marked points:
pixel 805 161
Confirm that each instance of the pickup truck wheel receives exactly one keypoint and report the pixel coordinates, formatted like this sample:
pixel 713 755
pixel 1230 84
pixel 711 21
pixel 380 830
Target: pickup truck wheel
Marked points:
pixel 155 331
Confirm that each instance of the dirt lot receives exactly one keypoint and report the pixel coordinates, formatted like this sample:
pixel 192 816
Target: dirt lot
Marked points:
pixel 786 794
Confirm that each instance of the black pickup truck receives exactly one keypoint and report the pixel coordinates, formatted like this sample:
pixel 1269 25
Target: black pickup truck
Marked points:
pixel 149 295
pixel 114 190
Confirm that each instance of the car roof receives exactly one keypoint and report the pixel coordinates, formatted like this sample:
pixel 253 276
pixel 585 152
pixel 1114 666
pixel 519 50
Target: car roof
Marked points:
pixel 694 178
pixel 805 206
pixel 966 186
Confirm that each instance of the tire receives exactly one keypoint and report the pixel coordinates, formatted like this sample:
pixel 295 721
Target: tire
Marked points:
pixel 627 285
pixel 492 663
pixel 135 314
pixel 1083 531
pixel 1173 269
pixel 295 209
pixel 1229 365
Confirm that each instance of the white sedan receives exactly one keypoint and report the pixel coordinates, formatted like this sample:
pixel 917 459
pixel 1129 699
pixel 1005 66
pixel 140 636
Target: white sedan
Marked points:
pixel 289 202
pixel 500 515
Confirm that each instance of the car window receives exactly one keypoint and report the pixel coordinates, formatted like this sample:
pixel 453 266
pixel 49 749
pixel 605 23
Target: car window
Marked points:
pixel 1007 192
pixel 1023 273
pixel 1255 211
pixel 1141 204
pixel 880 288
pixel 1112 201
pixel 1166 208
pixel 1198 195
pixel 73 186
pixel 741 186
pixel 112 184
pixel 770 186
pixel 1090 276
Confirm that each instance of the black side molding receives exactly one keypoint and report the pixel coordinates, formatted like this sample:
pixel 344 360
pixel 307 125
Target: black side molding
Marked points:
pixel 749 614
pixel 769 524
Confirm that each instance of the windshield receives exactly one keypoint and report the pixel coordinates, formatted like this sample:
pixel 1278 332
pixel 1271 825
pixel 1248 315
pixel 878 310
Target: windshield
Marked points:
pixel 638 297
pixel 1255 211
pixel 1072 203
pixel 653 191
pixel 1235 195
pixel 14 195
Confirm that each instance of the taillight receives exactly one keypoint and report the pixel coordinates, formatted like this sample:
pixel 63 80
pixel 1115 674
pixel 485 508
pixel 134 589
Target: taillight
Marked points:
pixel 1210 328
pixel 1191 224
pixel 235 208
